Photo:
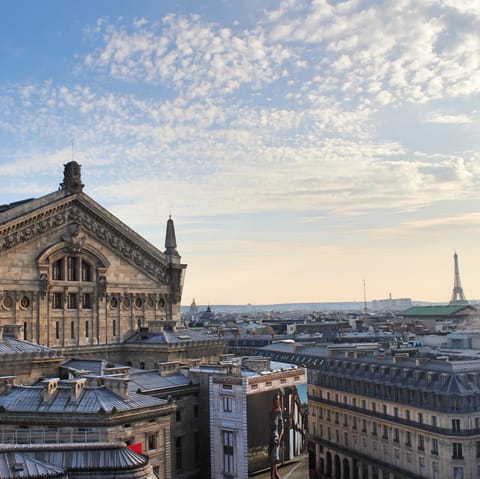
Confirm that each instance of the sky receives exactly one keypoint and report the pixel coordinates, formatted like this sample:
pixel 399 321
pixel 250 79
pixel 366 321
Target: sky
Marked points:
pixel 302 147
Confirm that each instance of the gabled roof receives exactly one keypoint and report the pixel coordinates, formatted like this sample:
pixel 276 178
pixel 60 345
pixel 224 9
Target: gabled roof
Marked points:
pixel 429 311
pixel 23 221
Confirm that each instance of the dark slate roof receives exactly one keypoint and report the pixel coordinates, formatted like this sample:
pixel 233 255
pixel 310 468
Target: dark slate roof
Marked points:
pixel 427 311
pixel 171 337
pixel 11 345
pixel 152 380
pixel 9 206
pixel 17 465
pixel 88 460
pixel 91 401
pixel 455 377
pixel 95 457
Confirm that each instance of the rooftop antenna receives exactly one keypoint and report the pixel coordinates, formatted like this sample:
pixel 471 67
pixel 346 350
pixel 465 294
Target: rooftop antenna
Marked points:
pixel 364 298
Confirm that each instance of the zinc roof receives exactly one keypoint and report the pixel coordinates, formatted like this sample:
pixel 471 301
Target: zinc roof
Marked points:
pixel 447 310
pixel 18 465
pixel 149 380
pixel 12 345
pixel 91 400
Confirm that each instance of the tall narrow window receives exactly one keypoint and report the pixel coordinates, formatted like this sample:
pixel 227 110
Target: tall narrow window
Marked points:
pixel 57 270
pixel 25 331
pixel 228 458
pixel 57 330
pixel 227 403
pixel 86 329
pixel 86 301
pixel 179 453
pixel 152 441
pixel 114 328
pixel 86 271
pixel 57 301
pixel 72 268
pixel 457 452
pixel 456 424
pixel 72 301
pixel 72 329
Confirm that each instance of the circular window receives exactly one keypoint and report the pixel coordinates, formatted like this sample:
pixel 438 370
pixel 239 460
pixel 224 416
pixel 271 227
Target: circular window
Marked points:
pixel 25 302
pixel 138 302
pixel 161 303
pixel 150 303
pixel 113 302
pixel 7 302
pixel 126 303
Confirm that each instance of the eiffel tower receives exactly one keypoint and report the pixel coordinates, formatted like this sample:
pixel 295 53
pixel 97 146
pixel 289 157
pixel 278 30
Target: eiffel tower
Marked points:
pixel 457 294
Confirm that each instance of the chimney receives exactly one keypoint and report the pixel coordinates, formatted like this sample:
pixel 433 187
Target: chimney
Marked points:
pixel 117 385
pixel 172 367
pixel 12 330
pixel 50 386
pixel 76 388
pixel 6 383
pixel 257 364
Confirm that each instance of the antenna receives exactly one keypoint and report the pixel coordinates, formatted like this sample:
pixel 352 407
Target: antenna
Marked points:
pixel 72 149
pixel 364 298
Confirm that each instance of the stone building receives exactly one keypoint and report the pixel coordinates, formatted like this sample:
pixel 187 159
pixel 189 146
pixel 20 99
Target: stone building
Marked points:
pixel 87 410
pixel 73 275
pixel 236 423
pixel 166 383
pixel 24 360
pixel 377 416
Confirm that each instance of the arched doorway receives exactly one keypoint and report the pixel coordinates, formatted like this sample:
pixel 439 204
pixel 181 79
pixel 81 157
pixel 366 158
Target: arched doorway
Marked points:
pixel 338 469
pixel 346 469
pixel 329 468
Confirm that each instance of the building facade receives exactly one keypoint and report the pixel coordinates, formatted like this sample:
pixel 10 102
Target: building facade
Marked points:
pixel 246 434
pixel 87 410
pixel 73 275
pixel 383 417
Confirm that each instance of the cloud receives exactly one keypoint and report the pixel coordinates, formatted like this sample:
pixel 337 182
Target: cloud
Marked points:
pixel 448 119
pixel 414 51
pixel 196 58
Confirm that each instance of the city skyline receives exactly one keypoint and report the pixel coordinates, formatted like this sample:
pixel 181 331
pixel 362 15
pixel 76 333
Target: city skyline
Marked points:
pixel 301 148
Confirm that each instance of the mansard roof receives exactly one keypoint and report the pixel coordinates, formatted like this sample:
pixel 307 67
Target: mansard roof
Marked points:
pixel 438 311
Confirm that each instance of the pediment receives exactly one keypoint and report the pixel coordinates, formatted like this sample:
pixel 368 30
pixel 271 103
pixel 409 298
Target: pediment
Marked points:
pixel 78 212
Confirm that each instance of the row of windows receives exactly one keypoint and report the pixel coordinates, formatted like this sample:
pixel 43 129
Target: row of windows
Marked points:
pixel 73 329
pixel 71 300
pixel 72 268
pixel 384 409
pixel 457 447
pixel 401 392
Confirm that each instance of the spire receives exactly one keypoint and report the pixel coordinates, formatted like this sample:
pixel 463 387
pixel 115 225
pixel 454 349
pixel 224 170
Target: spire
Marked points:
pixel 457 294
pixel 170 240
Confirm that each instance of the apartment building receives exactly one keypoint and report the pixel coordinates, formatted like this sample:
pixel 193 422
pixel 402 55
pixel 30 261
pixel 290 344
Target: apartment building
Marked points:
pixel 374 415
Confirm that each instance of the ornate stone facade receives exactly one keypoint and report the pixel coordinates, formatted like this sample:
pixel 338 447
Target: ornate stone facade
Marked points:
pixel 72 274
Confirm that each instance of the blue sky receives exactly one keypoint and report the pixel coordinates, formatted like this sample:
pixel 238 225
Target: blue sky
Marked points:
pixel 301 146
